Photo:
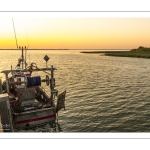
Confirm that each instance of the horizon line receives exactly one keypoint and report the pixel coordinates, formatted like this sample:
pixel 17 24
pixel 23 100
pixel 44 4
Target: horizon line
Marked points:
pixel 69 49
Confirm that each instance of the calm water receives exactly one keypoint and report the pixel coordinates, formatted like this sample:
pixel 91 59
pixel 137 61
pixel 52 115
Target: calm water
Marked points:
pixel 104 94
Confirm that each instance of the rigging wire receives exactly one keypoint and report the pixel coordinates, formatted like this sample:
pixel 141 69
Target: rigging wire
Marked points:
pixel 15 33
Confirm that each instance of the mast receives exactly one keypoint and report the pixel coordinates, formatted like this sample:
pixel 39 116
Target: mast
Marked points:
pixel 22 49
pixel 25 58
pixel 26 50
pixel 22 58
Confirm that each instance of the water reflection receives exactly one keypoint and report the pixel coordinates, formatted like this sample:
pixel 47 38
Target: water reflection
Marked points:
pixel 104 94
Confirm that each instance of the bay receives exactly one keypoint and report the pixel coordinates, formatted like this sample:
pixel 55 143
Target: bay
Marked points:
pixel 104 93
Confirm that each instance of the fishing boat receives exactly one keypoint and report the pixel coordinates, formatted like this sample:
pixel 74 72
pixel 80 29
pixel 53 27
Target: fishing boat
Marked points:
pixel 30 105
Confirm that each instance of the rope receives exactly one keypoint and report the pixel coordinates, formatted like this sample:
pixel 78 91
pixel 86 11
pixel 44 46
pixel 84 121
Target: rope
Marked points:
pixel 33 81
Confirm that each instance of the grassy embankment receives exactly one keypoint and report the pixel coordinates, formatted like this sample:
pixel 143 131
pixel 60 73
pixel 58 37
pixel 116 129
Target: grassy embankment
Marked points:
pixel 141 52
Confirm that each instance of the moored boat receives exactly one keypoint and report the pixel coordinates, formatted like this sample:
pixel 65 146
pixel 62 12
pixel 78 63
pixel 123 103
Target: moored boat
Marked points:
pixel 30 105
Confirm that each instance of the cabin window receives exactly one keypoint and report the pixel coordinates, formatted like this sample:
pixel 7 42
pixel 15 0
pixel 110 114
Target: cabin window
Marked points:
pixel 18 79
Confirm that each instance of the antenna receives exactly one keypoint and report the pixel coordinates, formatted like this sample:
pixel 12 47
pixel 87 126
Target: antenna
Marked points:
pixel 15 33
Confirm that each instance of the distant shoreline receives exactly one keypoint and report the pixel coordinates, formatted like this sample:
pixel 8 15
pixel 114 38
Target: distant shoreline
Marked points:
pixel 141 52
pixel 65 49
pixel 95 52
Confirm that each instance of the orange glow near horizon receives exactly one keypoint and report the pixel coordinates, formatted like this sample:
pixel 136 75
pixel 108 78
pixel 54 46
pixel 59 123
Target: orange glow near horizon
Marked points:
pixel 76 33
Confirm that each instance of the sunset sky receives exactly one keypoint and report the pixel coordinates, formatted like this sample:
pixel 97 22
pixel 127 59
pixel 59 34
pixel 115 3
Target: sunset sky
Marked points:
pixel 75 32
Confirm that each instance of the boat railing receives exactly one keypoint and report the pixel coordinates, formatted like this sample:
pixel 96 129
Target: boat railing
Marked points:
pixel 6 72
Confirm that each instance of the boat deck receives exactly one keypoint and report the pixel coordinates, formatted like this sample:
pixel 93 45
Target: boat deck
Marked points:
pixel 5 114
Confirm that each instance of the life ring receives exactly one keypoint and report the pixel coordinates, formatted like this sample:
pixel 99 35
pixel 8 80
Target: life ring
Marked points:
pixel 47 80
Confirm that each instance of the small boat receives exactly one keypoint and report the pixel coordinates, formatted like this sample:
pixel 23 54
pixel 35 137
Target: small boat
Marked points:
pixel 29 103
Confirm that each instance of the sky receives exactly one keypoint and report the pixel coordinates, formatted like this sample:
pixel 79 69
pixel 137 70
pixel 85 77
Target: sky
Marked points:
pixel 75 32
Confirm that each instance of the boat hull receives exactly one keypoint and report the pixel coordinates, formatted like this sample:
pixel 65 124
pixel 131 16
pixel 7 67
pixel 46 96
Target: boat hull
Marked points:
pixel 34 117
